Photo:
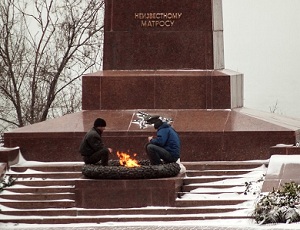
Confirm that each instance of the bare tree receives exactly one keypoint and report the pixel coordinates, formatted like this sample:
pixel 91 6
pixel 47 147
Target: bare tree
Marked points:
pixel 45 47
pixel 274 108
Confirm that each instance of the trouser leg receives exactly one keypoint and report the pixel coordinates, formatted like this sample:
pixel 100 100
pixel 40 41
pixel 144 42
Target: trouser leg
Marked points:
pixel 156 153
pixel 101 155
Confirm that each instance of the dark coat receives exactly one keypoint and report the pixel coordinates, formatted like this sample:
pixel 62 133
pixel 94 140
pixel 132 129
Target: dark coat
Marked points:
pixel 91 142
pixel 168 139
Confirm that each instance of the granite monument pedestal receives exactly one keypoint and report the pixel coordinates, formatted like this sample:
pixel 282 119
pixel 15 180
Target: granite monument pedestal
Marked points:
pixel 164 58
pixel 127 193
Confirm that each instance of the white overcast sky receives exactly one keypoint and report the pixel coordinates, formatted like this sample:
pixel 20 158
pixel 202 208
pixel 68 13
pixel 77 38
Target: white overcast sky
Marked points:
pixel 261 39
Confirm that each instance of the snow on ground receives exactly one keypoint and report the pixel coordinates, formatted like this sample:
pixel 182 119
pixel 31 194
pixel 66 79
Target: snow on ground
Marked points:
pixel 236 192
pixel 200 224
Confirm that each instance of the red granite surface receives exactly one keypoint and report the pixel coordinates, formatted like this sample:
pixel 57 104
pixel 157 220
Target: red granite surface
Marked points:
pixel 127 193
pixel 237 134
pixel 282 169
pixel 158 89
pixel 194 41
pixel 9 155
pixel 2 168
pixel 175 72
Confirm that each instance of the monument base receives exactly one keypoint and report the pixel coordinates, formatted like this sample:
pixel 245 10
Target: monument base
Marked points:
pixel 206 135
pixel 127 193
pixel 162 89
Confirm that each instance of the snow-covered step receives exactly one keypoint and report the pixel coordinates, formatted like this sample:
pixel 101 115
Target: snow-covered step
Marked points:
pixel 37 204
pixel 157 210
pixel 6 211
pixel 208 193
pixel 196 189
pixel 190 187
pixel 238 179
pixel 225 165
pixel 208 202
pixel 221 181
pixel 195 173
pixel 48 166
pixel 209 179
pixel 125 211
pixel 39 182
pixel 121 218
pixel 36 189
pixel 220 184
pixel 73 215
pixel 7 195
pixel 50 175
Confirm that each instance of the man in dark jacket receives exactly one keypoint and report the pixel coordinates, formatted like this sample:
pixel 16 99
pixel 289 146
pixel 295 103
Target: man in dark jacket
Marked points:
pixel 92 148
pixel 165 147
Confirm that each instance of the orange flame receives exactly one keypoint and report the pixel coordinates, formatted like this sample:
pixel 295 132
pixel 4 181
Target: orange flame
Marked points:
pixel 126 160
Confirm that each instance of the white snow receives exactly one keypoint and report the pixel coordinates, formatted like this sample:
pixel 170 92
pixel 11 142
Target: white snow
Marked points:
pixel 234 223
pixel 221 196
pixel 6 149
pixel 205 193
pixel 279 160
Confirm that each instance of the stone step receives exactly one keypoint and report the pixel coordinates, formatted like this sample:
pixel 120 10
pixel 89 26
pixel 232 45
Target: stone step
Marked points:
pixel 49 167
pixel 40 212
pixel 181 194
pixel 36 196
pixel 205 165
pixel 208 179
pixel 212 188
pixel 219 180
pixel 48 189
pixel 129 211
pixel 48 175
pixel 195 173
pixel 224 165
pixel 159 211
pixel 34 204
pixel 46 182
pixel 43 194
pixel 208 202
pixel 39 220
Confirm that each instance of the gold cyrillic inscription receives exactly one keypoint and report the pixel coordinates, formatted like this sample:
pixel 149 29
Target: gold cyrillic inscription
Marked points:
pixel 157 19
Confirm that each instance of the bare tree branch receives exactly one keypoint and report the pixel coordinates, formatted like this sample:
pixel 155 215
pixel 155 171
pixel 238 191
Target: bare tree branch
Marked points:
pixel 45 47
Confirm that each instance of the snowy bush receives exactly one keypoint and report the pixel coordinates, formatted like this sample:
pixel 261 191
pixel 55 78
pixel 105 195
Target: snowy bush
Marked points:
pixel 281 206
pixel 254 187
pixel 6 181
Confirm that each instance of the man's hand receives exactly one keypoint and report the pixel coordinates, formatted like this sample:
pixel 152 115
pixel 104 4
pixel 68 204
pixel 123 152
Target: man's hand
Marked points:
pixel 110 150
pixel 150 138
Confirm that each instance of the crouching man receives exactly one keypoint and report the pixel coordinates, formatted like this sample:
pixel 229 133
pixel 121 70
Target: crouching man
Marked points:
pixel 92 147
pixel 165 147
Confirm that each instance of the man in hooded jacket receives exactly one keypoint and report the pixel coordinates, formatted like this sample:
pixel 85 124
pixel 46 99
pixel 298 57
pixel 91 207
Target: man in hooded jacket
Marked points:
pixel 92 147
pixel 165 147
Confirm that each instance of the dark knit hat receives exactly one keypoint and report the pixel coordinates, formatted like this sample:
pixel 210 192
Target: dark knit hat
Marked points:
pixel 99 122
pixel 158 123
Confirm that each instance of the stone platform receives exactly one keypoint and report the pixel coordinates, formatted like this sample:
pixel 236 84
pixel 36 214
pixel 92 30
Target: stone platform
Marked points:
pixel 127 193
pixel 206 135
pixel 282 169
pixel 162 89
